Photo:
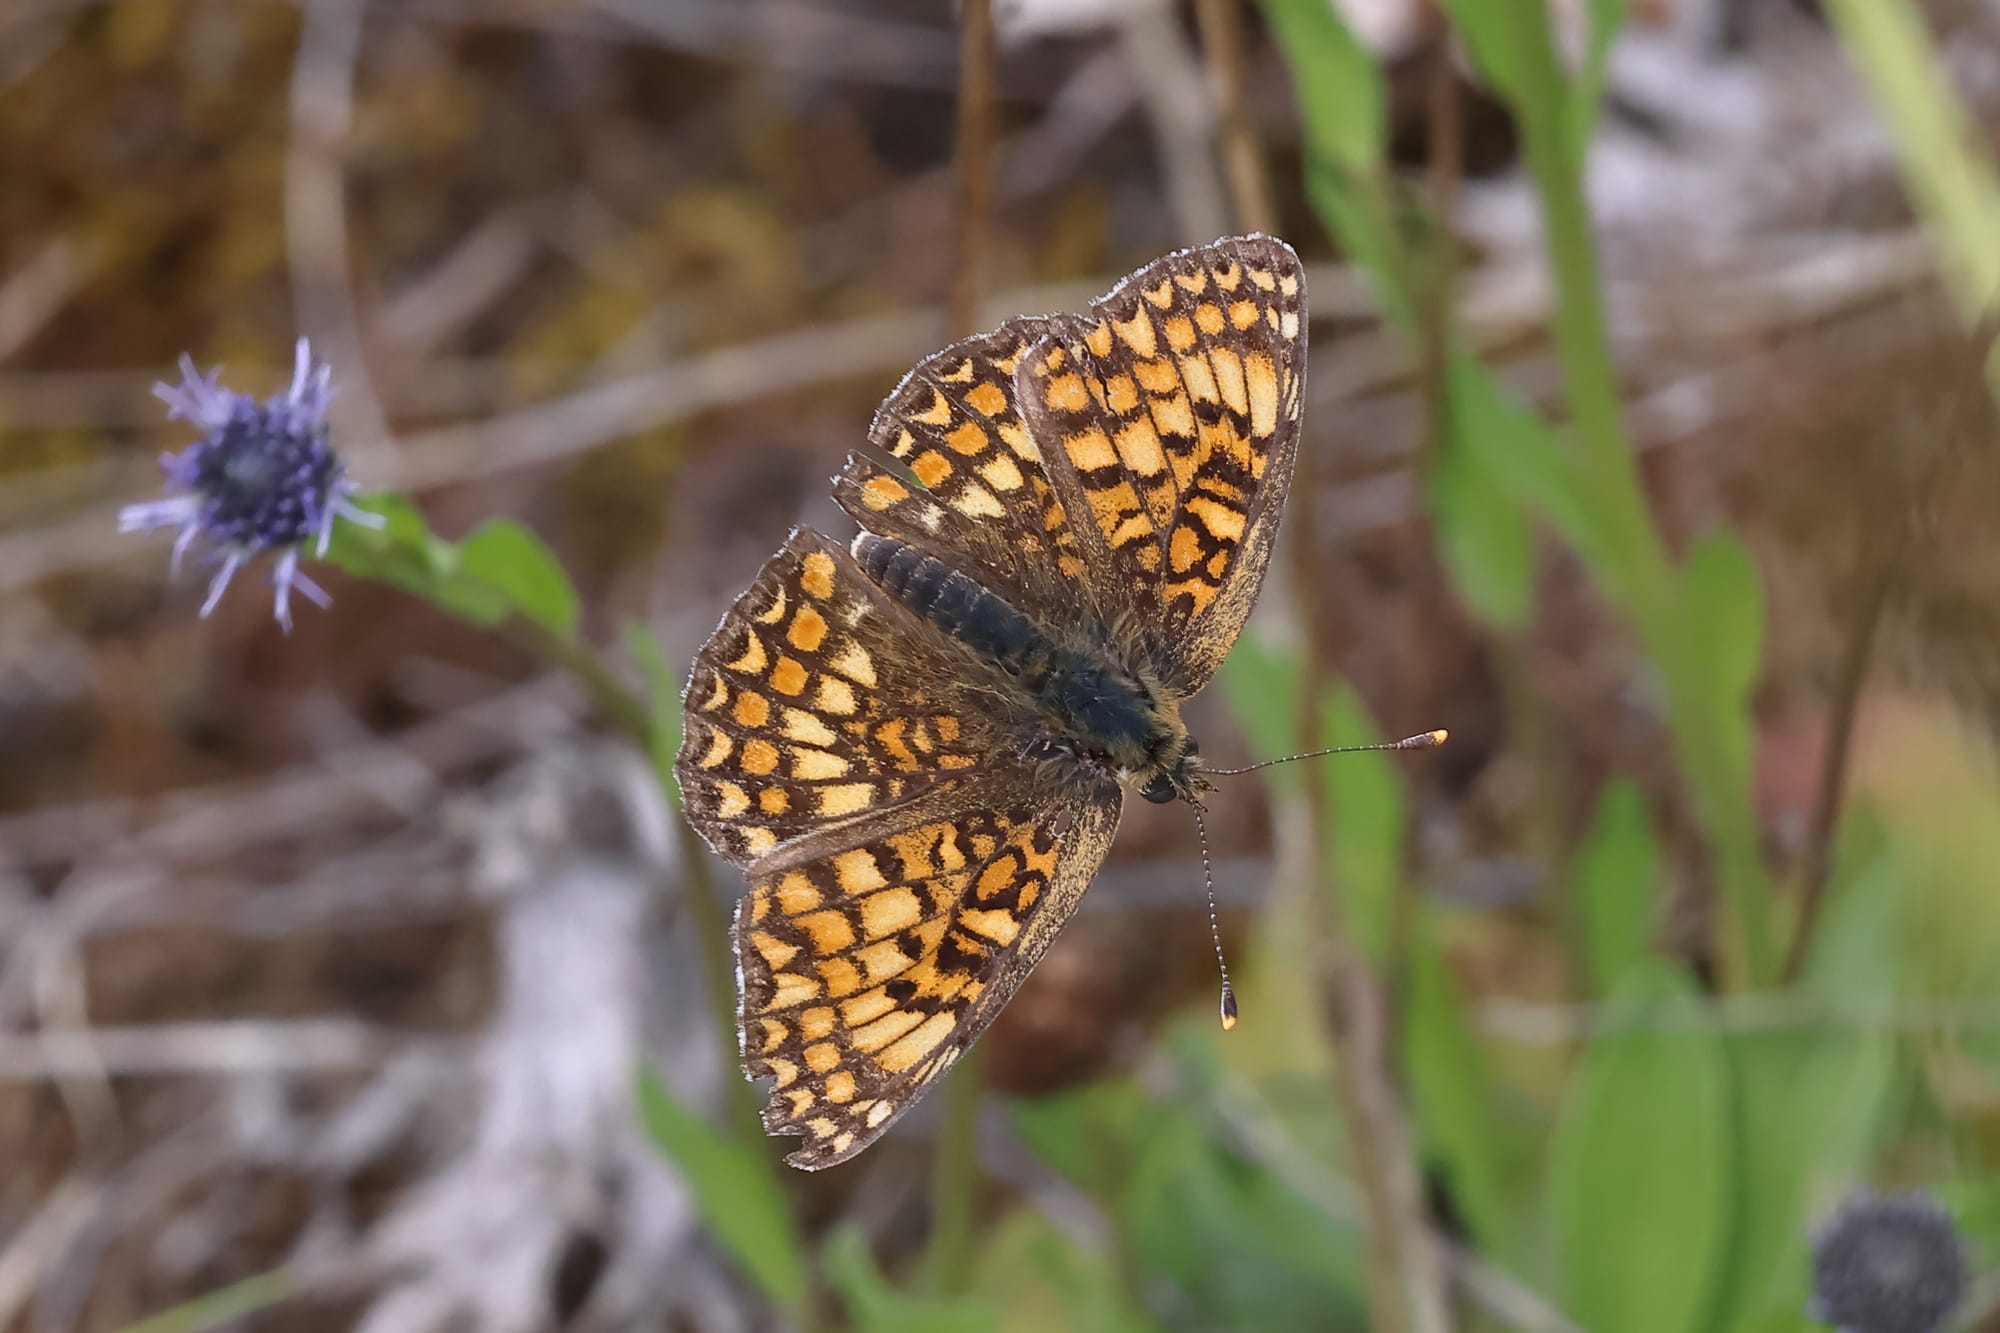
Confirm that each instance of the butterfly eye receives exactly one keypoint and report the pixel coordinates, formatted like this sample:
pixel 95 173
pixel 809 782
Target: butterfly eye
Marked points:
pixel 1160 790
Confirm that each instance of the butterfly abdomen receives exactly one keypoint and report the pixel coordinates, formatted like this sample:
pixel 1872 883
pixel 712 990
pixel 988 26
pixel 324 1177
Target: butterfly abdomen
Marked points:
pixel 1101 711
pixel 955 603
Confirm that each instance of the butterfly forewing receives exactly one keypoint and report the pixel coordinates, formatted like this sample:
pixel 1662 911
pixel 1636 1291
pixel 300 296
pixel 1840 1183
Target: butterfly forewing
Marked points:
pixel 982 495
pixel 1169 422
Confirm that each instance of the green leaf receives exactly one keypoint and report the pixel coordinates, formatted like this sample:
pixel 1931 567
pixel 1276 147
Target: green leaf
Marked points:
pixel 1335 80
pixel 505 556
pixel 1974 1203
pixel 1484 537
pixel 1586 94
pixel 1354 208
pixel 501 570
pixel 1941 147
pixel 1617 878
pixel 1723 606
pixel 402 524
pixel 1452 1096
pixel 1214 1240
pixel 1038 1279
pixel 401 552
pixel 737 1198
pixel 1262 687
pixel 1518 452
pixel 1813 1104
pixel 1236 1242
pixel 1492 35
pixel 1856 952
pixel 1641 1164
pixel 873 1306
pixel 1808 1108
pixel 1722 643
pixel 1342 109
pixel 1082 1134
pixel 1364 818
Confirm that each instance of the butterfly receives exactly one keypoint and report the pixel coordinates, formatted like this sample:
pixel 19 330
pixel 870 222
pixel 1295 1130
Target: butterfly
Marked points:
pixel 917 745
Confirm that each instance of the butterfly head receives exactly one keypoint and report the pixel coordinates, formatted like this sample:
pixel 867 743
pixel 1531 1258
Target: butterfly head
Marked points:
pixel 1175 774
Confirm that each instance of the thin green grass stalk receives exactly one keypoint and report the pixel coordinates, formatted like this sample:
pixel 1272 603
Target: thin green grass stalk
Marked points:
pixel 1945 161
pixel 955 1181
pixel 238 1300
pixel 711 919
pixel 1643 575
pixel 711 927
pixel 709 912
pixel 1582 339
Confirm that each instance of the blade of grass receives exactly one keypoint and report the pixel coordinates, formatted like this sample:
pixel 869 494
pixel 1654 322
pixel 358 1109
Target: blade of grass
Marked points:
pixel 741 1201
pixel 239 1300
pixel 1950 174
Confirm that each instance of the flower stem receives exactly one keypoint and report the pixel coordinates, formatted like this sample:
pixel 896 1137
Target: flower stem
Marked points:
pixel 628 713
pixel 955 1181
pixel 1641 574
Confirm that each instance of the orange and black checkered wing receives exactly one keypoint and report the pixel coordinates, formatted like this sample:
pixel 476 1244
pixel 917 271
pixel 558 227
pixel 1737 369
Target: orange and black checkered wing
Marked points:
pixel 907 867
pixel 870 962
pixel 1168 421
pixel 819 701
pixel 973 489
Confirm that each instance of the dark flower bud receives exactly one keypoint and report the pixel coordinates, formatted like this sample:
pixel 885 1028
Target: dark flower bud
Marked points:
pixel 1887 1263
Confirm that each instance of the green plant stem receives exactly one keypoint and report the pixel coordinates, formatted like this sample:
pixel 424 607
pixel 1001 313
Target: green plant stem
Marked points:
pixel 1405 1285
pixel 1583 341
pixel 955 1181
pixel 238 1300
pixel 711 924
pixel 1406 1288
pixel 1816 866
pixel 619 706
pixel 1640 573
pixel 628 713
pixel 1951 176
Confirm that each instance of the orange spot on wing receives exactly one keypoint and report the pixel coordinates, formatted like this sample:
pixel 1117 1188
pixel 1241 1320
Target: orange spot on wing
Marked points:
pixel 816 575
pixel 987 399
pixel 808 630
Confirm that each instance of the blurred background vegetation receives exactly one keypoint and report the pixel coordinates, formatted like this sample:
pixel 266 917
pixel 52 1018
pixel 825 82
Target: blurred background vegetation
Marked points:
pixel 363 977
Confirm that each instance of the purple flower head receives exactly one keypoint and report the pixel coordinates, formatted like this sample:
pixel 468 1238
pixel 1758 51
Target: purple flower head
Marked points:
pixel 261 478
pixel 1888 1263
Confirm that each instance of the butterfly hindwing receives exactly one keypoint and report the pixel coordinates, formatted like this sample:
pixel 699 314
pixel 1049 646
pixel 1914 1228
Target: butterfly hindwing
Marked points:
pixel 1169 424
pixel 871 961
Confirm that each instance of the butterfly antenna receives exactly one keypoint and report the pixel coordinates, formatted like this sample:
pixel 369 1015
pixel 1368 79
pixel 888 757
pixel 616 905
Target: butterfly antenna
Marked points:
pixel 1423 740
pixel 1214 927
